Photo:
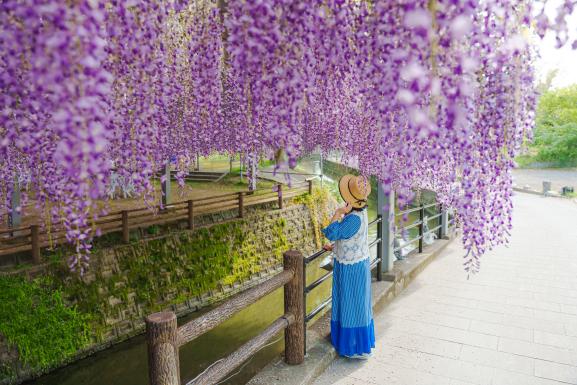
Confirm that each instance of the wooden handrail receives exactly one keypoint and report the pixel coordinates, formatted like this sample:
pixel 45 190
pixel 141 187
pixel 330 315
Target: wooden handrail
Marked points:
pixel 215 317
pixel 164 338
pixel 125 220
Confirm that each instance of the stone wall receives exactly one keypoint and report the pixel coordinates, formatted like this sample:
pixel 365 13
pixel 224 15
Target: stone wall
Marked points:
pixel 180 270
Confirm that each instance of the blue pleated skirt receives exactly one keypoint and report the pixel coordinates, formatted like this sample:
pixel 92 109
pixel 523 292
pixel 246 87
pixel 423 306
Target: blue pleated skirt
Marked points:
pixel 352 326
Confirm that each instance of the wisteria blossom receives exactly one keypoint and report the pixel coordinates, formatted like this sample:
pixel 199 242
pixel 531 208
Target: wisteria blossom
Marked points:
pixel 433 94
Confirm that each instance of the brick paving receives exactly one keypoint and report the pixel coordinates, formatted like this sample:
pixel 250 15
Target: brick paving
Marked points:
pixel 515 323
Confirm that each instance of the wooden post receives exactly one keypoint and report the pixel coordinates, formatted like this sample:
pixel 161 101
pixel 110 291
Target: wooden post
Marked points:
pixel 161 339
pixel 34 239
pixel 310 186
pixel 279 196
pixel 191 215
pixel 125 229
pixel 294 304
pixel 240 204
pixel 386 211
pixel 421 225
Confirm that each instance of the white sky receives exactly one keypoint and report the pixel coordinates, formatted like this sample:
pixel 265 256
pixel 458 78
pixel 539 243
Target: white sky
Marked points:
pixel 564 59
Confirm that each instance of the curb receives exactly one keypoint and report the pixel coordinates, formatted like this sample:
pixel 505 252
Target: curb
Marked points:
pixel 321 353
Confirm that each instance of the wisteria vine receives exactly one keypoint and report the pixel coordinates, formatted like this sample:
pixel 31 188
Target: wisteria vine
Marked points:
pixel 423 94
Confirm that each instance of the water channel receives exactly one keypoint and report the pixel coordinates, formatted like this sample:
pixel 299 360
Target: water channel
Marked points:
pixel 126 363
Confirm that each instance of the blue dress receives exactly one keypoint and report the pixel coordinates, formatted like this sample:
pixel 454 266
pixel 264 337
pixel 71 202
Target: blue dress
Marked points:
pixel 352 326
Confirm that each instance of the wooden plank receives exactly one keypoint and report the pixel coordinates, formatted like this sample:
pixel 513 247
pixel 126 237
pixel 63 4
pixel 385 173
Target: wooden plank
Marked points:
pixel 215 317
pixel 217 372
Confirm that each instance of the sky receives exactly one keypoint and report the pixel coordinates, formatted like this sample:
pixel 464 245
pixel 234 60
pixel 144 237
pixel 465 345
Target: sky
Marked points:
pixel 564 59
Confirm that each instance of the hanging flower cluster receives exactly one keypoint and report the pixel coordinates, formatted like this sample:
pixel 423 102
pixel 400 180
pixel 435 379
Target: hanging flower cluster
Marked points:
pixel 423 94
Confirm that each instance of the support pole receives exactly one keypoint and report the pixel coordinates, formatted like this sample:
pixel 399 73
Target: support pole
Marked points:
pixel 294 304
pixel 15 218
pixel 166 187
pixel 310 182
pixel 386 211
pixel 161 339
pixel 444 223
pixel 322 168
pixel 421 226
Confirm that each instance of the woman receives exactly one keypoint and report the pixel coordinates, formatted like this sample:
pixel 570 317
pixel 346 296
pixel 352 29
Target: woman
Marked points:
pixel 352 326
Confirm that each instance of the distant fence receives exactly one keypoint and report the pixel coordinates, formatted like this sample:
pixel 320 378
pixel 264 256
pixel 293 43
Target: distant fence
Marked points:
pixel 34 237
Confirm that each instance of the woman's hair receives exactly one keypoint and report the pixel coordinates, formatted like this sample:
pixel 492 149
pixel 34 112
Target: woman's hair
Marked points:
pixel 361 209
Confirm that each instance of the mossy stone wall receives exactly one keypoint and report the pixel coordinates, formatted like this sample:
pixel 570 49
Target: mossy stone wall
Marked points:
pixel 182 270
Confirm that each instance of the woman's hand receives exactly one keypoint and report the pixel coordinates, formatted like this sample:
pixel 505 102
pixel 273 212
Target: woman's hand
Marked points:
pixel 328 247
pixel 345 209
pixel 341 211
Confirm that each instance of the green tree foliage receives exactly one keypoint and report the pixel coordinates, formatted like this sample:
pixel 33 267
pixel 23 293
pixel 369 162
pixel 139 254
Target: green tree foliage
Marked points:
pixel 555 139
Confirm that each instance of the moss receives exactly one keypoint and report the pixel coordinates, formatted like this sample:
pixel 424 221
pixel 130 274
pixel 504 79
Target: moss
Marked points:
pixel 318 204
pixel 35 319
pixel 145 276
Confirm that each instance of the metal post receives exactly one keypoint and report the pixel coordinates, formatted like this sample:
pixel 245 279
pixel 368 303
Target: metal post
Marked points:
pixel 35 240
pixel 125 229
pixel 322 169
pixel 304 287
pixel 279 196
pixel 163 358
pixel 386 211
pixel 191 215
pixel 440 221
pixel 380 249
pixel 421 225
pixel 293 304
pixel 166 187
pixel 445 223
pixel 310 181
pixel 15 218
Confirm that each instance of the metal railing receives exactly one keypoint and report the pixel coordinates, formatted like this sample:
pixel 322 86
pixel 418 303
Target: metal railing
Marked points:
pixel 381 255
pixel 420 223
pixel 164 338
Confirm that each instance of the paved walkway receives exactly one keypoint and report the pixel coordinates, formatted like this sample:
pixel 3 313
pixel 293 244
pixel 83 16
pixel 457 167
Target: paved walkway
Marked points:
pixel 558 177
pixel 515 323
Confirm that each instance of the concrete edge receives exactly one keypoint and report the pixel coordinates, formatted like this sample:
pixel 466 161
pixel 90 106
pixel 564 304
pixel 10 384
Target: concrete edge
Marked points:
pixel 540 193
pixel 320 352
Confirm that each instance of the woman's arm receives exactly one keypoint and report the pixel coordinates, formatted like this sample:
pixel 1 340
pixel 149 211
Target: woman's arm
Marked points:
pixel 343 229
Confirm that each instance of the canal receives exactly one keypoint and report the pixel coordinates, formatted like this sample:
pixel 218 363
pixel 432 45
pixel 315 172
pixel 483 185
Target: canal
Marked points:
pixel 126 363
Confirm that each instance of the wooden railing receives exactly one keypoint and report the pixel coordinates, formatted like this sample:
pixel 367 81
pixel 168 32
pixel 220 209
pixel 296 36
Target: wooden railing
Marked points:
pixel 164 338
pixel 33 238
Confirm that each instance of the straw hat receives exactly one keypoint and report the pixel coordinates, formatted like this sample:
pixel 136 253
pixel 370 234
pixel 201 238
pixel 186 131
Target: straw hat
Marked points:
pixel 355 190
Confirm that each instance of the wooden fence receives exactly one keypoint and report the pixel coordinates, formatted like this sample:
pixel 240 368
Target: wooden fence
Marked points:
pixel 34 237
pixel 164 338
